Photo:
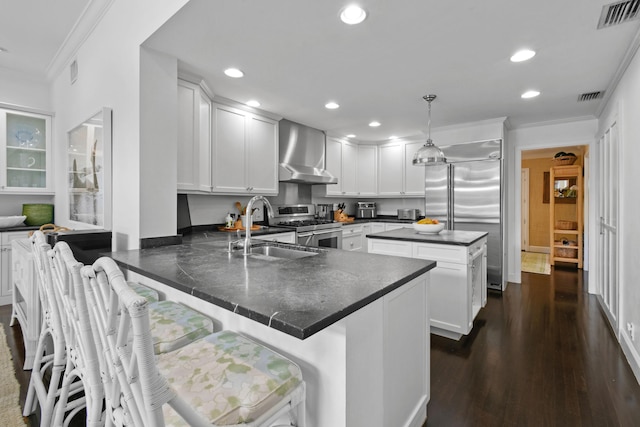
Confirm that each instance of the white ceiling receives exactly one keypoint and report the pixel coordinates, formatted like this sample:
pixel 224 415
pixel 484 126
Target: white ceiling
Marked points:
pixel 32 31
pixel 297 56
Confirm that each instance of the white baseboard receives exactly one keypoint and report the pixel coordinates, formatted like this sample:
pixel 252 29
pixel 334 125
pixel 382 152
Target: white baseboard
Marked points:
pixel 540 249
pixel 631 353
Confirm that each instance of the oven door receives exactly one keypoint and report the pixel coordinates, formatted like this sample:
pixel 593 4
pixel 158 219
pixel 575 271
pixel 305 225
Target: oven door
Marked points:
pixel 305 238
pixel 328 238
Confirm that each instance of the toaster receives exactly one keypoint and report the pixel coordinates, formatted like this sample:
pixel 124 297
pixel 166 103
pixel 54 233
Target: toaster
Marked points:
pixel 408 213
pixel 366 210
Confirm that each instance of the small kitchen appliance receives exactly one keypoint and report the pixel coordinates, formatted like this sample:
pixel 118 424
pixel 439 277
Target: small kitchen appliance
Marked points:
pixel 412 214
pixel 325 212
pixel 366 210
pixel 310 231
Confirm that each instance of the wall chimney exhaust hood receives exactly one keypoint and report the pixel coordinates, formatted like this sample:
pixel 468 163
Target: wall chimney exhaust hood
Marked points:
pixel 302 155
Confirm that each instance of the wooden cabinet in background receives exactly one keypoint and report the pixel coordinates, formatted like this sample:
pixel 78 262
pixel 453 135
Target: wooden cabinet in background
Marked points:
pixel 566 219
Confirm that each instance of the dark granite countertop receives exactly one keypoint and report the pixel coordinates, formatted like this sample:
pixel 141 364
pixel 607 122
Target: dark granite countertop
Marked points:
pixel 381 218
pixel 211 232
pixel 19 228
pixel 299 297
pixel 447 237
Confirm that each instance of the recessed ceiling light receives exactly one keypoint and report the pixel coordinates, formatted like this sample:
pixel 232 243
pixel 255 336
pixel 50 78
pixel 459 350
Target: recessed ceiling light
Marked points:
pixel 353 14
pixel 351 135
pixel 331 105
pixel 523 55
pixel 234 72
pixel 253 103
pixel 374 124
pixel 530 94
pixel 393 137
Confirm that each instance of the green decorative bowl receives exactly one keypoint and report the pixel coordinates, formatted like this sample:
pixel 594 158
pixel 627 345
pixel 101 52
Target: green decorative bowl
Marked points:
pixel 38 214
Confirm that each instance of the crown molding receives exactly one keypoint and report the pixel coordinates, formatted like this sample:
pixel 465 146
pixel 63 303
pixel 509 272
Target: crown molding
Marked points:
pixel 82 29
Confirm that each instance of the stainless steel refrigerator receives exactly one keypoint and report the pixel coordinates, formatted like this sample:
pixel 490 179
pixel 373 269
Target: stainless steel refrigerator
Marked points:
pixel 467 193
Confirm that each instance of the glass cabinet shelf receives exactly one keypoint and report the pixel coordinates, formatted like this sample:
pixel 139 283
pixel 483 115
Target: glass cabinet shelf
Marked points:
pixel 25 151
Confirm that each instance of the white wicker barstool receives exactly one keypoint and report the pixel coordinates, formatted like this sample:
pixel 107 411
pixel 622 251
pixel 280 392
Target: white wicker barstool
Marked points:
pixel 82 360
pixel 51 333
pixel 222 379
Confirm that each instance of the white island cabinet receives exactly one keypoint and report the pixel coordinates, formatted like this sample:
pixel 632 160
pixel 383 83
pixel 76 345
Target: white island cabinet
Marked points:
pixel 458 287
pixel 357 324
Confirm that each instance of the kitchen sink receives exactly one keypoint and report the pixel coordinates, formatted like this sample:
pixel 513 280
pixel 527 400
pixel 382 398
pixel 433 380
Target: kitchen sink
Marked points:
pixel 277 250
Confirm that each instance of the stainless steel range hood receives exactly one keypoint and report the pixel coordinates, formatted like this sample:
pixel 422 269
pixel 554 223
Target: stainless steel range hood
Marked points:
pixel 302 155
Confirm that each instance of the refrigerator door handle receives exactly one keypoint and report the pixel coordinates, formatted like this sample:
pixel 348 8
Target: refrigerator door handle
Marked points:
pixel 450 197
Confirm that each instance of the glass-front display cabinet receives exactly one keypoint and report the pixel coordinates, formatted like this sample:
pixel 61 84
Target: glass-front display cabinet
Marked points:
pixel 25 156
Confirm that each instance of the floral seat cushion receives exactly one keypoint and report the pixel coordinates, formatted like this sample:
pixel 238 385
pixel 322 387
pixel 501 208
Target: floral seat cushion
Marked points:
pixel 144 291
pixel 174 325
pixel 227 378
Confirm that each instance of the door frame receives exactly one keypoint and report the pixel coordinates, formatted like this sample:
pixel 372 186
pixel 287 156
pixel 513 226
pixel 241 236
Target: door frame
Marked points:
pixel 524 209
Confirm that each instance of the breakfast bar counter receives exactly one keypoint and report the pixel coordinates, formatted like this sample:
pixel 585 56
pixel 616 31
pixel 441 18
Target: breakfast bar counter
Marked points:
pixel 357 324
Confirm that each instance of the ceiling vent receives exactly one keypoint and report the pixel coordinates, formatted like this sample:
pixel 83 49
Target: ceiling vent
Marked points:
pixel 591 96
pixel 618 12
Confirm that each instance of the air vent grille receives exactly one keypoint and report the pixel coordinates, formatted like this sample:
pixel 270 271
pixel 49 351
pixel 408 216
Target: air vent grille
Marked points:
pixel 590 96
pixel 618 12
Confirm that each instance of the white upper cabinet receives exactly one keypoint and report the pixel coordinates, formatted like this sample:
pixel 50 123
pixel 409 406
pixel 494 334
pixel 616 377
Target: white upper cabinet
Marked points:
pixel 354 165
pixel 367 170
pixel 414 176
pixel 397 175
pixel 340 162
pixel 224 149
pixel 262 161
pixel 391 170
pixel 244 152
pixel 194 138
pixel 25 152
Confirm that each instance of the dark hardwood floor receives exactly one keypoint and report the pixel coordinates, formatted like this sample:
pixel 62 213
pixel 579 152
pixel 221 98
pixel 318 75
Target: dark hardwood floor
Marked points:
pixel 540 354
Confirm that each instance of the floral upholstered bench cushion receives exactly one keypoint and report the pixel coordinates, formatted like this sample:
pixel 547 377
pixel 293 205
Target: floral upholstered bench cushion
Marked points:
pixel 144 291
pixel 227 378
pixel 174 325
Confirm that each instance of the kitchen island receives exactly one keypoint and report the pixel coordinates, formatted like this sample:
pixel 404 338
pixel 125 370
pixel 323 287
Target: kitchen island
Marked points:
pixel 458 288
pixel 356 324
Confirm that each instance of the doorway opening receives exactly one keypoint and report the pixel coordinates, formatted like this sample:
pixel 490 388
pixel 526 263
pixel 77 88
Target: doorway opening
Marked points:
pixel 537 222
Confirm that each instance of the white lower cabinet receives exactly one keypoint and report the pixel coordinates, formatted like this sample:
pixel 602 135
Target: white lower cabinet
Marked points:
pixel 288 237
pixel 458 287
pixel 6 285
pixel 25 297
pixel 352 236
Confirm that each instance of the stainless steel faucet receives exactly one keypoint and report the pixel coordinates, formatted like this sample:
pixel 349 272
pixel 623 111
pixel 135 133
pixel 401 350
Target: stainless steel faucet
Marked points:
pixel 249 219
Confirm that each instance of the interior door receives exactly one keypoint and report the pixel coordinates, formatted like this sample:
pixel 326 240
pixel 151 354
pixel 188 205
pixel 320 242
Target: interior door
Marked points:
pixel 608 212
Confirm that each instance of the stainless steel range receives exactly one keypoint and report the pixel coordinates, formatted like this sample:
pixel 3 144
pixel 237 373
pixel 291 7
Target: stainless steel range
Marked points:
pixel 310 231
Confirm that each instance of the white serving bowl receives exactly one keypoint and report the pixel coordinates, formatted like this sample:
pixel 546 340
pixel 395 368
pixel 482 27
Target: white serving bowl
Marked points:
pixel 11 221
pixel 428 228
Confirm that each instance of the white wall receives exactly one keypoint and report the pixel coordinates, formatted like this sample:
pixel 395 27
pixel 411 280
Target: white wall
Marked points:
pixel 579 132
pixel 625 104
pixel 17 89
pixel 23 90
pixel 109 76
pixel 159 144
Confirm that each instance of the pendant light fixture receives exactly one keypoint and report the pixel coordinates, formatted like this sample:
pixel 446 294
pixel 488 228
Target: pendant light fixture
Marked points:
pixel 429 154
